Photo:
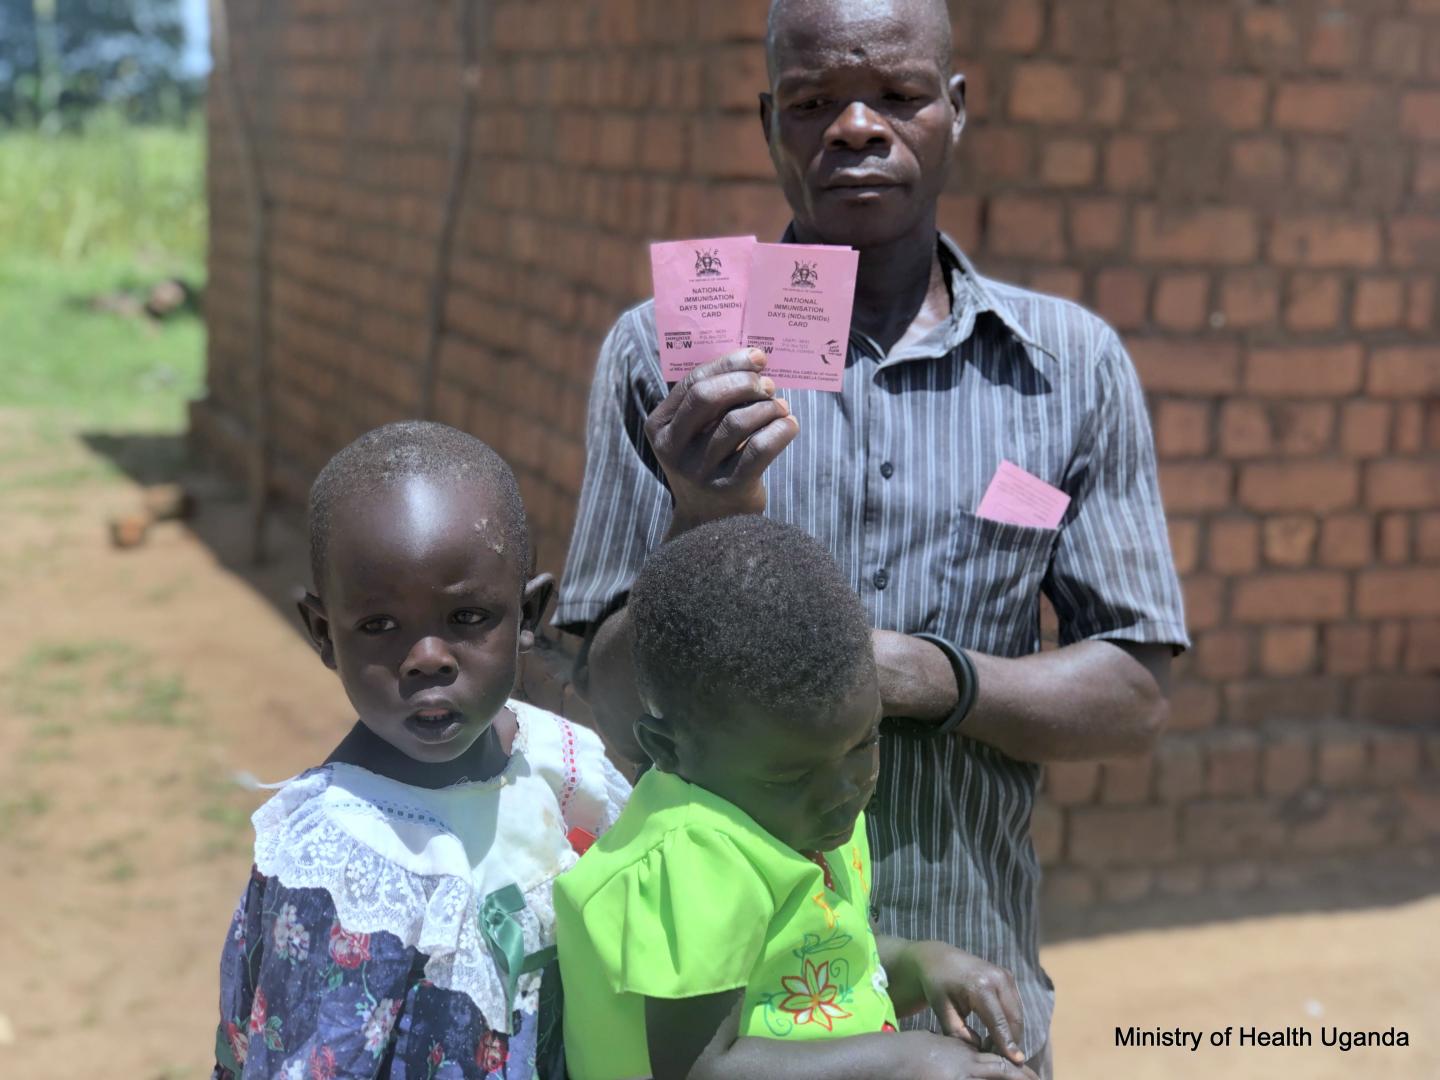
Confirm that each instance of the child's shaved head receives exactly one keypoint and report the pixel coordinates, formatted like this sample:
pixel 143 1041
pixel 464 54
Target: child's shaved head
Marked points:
pixel 746 612
pixel 419 449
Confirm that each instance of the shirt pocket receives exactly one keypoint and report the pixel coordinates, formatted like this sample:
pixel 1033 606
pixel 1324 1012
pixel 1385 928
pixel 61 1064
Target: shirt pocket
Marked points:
pixel 991 583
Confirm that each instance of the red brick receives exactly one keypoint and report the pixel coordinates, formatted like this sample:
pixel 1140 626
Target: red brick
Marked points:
pixel 1224 654
pixel 1068 890
pixel 1301 485
pixel 1128 163
pixel 1394 757
pixel 1245 430
pixel 1195 487
pixel 1203 598
pixel 1048 93
pixel 1287 764
pixel 1179 770
pixel 730 147
pixel 1181 301
pixel 1349 823
pixel 1126 781
pixel 1415 241
pixel 1364 428
pixel 1325 241
pixel 1406 371
pixel 1422 809
pixel 1379 303
pixel 1290 540
pixel 1000 155
pixel 1249 298
pixel 1305 371
pixel 1122 298
pixel 1422 647
pixel 1259 162
pixel 1398 699
pixel 1233 767
pixel 1097 225
pixel 1024 226
pixel 1068 162
pixel 1427 537
pixel 1395 539
pixel 1213 828
pixel 1325 107
pixel 1182 428
pixel 1420 305
pixel 1402 485
pixel 1186 367
pixel 1347 540
pixel 1016 26
pixel 1047 833
pixel 1288 650
pixel 960 217
pixel 1323 168
pixel 1408 435
pixel 1426 178
pixel 1349 648
pixel 1237 877
pixel 1315 302
pixel 1306 595
pixel 1072 783
pixel 1396 49
pixel 1334 41
pixel 1237 101
pixel 1300 698
pixel 1343 759
pixel 1119 887
pixel 1111 836
pixel 1184 543
pixel 1398 593
pixel 1058 281
pixel 1234 545
pixel 1389 645
pixel 1270 36
pixel 1420 114
pixel 1204 235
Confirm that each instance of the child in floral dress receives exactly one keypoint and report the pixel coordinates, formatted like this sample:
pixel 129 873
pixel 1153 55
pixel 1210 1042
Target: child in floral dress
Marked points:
pixel 398 921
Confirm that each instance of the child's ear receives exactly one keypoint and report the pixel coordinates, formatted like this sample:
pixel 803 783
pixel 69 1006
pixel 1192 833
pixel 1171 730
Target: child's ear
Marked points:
pixel 533 601
pixel 317 627
pixel 657 738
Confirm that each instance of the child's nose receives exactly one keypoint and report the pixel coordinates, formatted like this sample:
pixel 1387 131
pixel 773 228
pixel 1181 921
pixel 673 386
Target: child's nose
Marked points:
pixel 428 658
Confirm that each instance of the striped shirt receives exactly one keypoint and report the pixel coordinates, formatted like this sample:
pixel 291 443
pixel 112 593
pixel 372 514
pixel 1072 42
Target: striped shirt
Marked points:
pixel 888 473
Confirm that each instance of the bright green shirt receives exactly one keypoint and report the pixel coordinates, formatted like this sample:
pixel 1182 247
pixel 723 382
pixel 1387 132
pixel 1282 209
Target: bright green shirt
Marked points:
pixel 686 896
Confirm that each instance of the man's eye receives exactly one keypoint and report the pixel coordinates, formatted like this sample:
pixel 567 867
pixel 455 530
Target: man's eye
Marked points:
pixel 377 625
pixel 468 618
pixel 810 105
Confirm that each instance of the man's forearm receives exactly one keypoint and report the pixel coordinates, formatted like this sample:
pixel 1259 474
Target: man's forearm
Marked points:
pixel 1092 699
pixel 610 686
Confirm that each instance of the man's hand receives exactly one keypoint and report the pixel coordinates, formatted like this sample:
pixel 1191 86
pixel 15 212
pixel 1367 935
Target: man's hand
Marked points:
pixel 715 434
pixel 957 984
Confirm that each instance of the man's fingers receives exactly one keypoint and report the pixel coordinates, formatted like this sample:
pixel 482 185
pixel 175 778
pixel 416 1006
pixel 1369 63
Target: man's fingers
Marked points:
pixel 952 1022
pixel 765 445
pixel 991 1067
pixel 737 425
pixel 707 402
pixel 749 360
pixel 1002 1022
pixel 1010 1002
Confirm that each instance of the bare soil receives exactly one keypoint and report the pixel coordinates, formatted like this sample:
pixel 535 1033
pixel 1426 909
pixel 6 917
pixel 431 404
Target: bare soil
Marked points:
pixel 136 684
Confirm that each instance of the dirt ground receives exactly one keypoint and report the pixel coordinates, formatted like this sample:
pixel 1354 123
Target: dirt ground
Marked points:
pixel 135 686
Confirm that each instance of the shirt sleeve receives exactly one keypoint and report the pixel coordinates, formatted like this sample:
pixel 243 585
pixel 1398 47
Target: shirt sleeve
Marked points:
pixel 624 506
pixel 688 919
pixel 1113 576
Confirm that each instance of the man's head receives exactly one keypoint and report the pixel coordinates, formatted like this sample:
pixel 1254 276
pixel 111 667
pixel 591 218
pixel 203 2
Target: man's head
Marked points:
pixel 423 594
pixel 753 659
pixel 863 115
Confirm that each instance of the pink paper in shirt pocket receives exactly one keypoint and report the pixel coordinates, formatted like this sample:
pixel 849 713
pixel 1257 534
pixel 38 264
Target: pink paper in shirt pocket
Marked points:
pixel 1017 498
pixel 700 292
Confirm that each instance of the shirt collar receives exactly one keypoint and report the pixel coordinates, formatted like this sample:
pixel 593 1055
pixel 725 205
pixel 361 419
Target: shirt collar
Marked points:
pixel 970 297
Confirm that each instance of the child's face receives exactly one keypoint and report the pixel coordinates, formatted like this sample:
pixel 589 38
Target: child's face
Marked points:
pixel 423 614
pixel 805 779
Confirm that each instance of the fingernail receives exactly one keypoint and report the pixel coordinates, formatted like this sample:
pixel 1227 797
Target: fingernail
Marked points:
pixel 784 406
pixel 767 386
pixel 757 356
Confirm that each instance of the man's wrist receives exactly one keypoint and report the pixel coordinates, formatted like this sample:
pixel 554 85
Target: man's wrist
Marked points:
pixel 967 683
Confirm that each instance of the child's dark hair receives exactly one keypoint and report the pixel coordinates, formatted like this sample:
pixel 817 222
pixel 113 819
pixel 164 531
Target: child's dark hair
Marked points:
pixel 746 611
pixel 412 449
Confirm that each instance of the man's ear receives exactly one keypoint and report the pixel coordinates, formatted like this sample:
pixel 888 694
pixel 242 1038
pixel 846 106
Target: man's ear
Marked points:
pixel 767 106
pixel 957 99
pixel 533 601
pixel 317 627
pixel 657 738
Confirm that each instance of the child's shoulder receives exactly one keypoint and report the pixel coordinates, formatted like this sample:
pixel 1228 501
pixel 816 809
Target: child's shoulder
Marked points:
pixel 571 759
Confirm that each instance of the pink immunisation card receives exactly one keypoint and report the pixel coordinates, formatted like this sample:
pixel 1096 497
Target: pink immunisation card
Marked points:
pixel 700 288
pixel 1017 498
pixel 799 312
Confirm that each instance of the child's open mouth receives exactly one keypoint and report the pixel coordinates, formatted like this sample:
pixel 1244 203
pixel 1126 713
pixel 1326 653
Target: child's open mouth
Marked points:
pixel 434 725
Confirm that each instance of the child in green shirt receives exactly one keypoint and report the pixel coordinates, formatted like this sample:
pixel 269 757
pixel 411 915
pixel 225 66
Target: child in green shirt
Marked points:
pixel 721 929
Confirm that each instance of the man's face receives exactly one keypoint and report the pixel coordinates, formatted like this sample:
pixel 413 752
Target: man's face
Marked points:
pixel 803 778
pixel 861 121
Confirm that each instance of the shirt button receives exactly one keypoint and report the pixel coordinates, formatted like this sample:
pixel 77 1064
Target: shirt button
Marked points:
pixel 881 579
pixel 887 470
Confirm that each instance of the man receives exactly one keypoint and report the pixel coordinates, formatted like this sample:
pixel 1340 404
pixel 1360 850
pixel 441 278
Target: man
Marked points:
pixel 948 374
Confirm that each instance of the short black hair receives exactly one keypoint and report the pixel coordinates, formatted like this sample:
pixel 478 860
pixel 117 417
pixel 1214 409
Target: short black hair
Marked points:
pixel 746 612
pixel 411 449
pixel 937 11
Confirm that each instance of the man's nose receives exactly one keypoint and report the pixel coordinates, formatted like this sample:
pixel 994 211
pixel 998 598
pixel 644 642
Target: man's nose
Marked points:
pixel 429 657
pixel 856 128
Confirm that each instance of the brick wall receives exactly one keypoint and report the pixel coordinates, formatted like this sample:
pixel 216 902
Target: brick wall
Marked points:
pixel 1249 192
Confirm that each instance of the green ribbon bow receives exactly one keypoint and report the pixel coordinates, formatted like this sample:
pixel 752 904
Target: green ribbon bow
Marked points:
pixel 506 938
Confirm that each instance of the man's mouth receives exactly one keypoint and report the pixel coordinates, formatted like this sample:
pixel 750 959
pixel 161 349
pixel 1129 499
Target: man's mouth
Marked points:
pixel 856 182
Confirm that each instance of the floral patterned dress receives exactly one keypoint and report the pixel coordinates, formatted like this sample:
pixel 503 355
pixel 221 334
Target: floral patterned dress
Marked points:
pixel 402 932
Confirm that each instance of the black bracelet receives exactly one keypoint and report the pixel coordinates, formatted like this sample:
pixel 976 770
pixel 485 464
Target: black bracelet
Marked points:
pixel 967 683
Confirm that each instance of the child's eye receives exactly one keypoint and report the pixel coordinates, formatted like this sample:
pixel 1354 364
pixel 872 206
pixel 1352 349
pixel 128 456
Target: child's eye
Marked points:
pixel 378 625
pixel 468 618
